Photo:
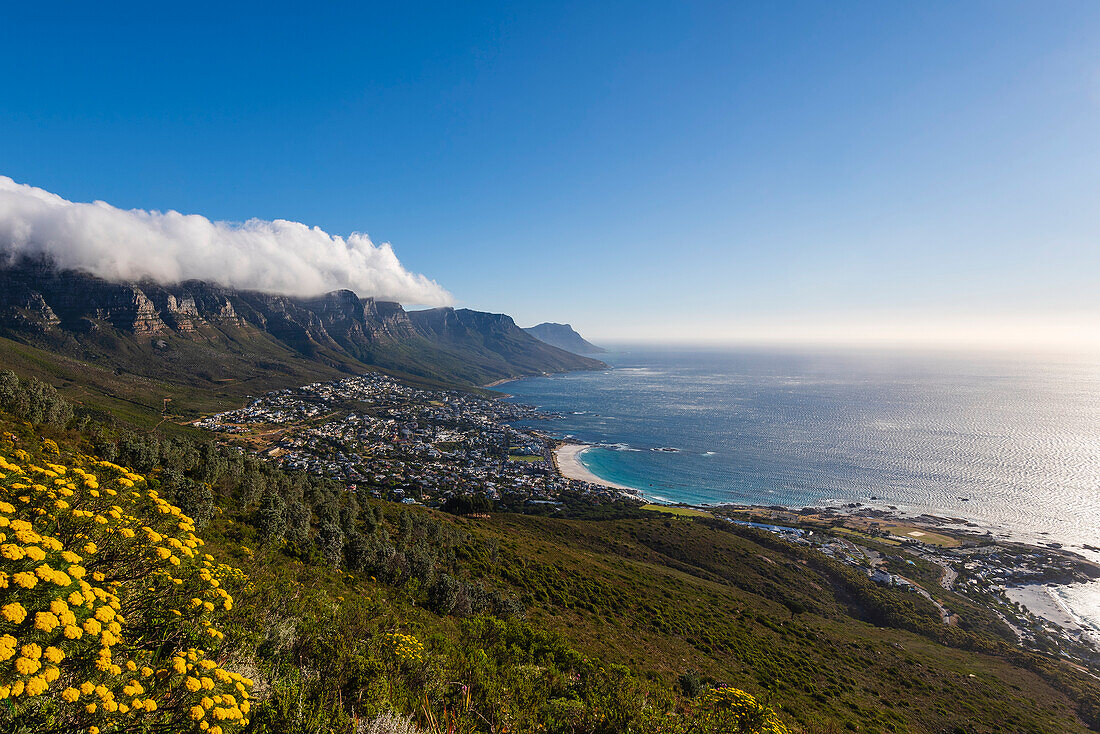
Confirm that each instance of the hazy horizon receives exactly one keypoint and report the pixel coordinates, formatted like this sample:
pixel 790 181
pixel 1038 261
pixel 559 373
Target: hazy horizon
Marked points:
pixel 1060 336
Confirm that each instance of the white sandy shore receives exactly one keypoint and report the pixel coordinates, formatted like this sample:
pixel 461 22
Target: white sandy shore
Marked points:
pixel 567 458
pixel 1043 602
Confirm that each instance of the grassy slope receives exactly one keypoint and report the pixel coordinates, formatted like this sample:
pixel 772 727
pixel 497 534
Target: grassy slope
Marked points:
pixel 198 379
pixel 605 587
pixel 671 595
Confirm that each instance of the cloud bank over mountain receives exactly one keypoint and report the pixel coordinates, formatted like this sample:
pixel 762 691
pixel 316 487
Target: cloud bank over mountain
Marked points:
pixel 277 256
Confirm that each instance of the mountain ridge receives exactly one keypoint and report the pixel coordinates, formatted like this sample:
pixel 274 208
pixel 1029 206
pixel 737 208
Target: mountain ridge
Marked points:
pixel 201 334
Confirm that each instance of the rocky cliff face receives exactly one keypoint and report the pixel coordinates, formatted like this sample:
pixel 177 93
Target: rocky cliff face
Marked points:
pixel 73 301
pixel 339 329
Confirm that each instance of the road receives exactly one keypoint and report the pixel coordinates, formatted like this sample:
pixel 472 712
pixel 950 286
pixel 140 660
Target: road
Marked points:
pixel 945 614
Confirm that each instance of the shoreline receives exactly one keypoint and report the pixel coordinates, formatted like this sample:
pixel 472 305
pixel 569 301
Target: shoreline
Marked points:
pixel 1041 601
pixel 859 515
pixel 567 462
pixel 927 518
pixel 1038 598
pixel 496 383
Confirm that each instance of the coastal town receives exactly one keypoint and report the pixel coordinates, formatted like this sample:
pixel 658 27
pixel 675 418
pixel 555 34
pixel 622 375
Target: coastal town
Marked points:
pixel 408 444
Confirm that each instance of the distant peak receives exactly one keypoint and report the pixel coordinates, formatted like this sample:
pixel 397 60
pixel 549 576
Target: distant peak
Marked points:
pixel 564 337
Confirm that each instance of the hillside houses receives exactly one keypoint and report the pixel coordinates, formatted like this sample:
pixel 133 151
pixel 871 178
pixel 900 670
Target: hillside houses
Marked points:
pixel 404 443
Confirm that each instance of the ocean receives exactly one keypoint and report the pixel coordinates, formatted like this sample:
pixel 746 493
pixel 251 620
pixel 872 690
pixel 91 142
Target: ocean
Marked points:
pixel 1010 444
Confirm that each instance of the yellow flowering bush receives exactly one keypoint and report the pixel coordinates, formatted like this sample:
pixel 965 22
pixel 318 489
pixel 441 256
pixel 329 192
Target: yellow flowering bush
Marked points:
pixel 108 606
pixel 406 648
pixel 734 710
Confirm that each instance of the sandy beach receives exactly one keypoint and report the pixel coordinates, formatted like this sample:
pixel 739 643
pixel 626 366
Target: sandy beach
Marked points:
pixel 497 383
pixel 567 459
pixel 1041 601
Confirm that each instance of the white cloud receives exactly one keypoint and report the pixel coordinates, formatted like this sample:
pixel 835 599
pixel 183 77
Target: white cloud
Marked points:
pixel 276 257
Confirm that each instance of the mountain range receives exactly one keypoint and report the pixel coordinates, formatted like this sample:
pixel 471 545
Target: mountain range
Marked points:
pixel 202 335
pixel 563 336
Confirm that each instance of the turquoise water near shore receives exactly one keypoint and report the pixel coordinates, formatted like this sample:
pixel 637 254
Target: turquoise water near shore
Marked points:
pixel 1012 444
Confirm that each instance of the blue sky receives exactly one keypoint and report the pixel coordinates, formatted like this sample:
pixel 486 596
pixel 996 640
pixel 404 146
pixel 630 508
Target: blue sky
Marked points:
pixel 688 171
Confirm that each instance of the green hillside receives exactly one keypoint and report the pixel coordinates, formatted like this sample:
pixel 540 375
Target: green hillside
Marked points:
pixel 196 382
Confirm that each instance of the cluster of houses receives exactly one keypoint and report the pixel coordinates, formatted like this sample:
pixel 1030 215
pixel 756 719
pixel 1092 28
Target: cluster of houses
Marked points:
pixel 404 443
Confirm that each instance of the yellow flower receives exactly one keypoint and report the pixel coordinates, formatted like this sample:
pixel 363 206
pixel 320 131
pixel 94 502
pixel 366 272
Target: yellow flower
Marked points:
pixel 197 712
pixel 45 621
pixel 193 684
pixel 14 612
pixel 53 654
pixel 27 666
pixel 35 686
pixel 25 579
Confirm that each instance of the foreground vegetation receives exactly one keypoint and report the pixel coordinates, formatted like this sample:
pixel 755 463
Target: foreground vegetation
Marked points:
pixel 349 614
